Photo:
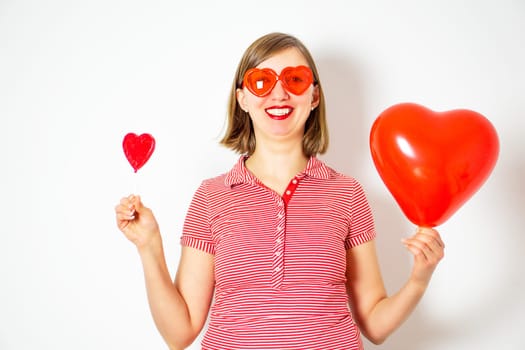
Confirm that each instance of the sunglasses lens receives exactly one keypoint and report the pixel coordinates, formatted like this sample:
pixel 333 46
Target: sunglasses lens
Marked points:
pixel 297 79
pixel 260 81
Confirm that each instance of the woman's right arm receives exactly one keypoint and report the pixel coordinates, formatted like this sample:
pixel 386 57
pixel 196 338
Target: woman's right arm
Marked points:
pixel 179 308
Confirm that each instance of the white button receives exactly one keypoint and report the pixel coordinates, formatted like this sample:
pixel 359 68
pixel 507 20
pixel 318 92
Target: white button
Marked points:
pixel 279 240
pixel 288 192
pixel 294 181
pixel 277 269
pixel 278 253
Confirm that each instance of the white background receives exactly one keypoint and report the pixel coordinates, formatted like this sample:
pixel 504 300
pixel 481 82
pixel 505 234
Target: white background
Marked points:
pixel 76 76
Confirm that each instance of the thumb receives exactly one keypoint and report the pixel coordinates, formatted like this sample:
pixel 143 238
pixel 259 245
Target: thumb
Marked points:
pixel 424 229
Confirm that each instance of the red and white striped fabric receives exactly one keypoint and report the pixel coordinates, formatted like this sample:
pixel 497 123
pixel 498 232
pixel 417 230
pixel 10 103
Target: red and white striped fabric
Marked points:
pixel 280 261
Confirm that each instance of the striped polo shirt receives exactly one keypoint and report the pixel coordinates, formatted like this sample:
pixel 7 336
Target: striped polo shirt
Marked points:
pixel 280 261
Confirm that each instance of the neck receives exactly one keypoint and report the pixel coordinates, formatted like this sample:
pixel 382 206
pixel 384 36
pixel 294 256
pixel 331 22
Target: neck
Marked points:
pixel 275 165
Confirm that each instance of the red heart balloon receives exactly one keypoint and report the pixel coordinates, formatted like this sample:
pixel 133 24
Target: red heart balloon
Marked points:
pixel 432 162
pixel 138 149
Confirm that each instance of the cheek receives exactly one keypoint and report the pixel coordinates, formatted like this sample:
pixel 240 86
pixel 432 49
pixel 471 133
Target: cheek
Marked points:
pixel 255 104
pixel 305 101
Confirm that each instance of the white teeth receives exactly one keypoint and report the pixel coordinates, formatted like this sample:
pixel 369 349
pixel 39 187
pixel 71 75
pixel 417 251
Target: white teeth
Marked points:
pixel 279 111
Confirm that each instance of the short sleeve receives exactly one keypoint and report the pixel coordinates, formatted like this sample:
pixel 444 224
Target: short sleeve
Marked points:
pixel 361 228
pixel 196 232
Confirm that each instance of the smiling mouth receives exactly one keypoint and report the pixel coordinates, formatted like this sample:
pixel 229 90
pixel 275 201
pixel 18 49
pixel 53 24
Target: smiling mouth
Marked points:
pixel 279 113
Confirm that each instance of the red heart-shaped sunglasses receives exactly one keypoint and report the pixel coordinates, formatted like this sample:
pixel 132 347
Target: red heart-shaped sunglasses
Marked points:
pixel 261 82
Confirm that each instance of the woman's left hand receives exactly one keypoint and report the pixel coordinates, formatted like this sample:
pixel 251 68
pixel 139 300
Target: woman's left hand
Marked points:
pixel 428 250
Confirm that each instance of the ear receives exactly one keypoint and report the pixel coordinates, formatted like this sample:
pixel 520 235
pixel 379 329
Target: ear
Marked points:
pixel 315 97
pixel 241 99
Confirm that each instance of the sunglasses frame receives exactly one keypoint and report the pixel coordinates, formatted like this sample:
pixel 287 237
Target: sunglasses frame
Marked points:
pixel 276 77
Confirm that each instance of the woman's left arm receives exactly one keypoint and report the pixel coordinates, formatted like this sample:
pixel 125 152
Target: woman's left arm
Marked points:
pixel 377 314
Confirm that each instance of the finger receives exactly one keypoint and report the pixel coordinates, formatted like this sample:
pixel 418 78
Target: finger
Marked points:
pixel 125 212
pixel 431 253
pixel 124 205
pixel 136 203
pixel 419 248
pixel 414 250
pixel 430 232
pixel 126 200
pixel 434 242
pixel 437 245
pixel 126 215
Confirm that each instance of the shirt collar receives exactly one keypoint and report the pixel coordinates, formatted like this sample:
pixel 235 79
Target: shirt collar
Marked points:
pixel 239 174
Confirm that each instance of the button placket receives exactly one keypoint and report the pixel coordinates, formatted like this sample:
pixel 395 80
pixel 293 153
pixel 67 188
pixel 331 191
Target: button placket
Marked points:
pixel 292 186
pixel 280 234
pixel 278 247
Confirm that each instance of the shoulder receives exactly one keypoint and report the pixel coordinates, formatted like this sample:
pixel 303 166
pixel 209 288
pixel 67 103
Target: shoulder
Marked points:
pixel 222 183
pixel 214 184
pixel 210 193
pixel 341 180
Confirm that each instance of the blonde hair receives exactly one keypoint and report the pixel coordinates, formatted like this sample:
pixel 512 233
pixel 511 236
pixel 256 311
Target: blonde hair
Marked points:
pixel 239 135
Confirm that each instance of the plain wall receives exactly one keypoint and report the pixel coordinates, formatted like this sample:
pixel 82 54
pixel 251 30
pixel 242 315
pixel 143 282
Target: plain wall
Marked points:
pixel 76 76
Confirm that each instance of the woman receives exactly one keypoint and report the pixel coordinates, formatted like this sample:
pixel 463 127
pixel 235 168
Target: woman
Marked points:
pixel 282 243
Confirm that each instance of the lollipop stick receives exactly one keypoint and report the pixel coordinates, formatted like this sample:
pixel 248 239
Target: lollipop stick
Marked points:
pixel 135 183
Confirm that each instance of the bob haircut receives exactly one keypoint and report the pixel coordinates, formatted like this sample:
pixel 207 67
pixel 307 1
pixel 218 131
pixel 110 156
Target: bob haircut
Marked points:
pixel 239 135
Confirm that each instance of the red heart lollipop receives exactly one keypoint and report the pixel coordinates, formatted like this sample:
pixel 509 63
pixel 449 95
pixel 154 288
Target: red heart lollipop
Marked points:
pixel 138 149
pixel 432 162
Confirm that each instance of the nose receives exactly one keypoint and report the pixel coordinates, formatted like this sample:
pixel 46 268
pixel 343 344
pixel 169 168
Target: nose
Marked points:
pixel 279 92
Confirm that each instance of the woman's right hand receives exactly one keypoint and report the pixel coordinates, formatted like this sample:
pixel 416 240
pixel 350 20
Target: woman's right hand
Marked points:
pixel 137 222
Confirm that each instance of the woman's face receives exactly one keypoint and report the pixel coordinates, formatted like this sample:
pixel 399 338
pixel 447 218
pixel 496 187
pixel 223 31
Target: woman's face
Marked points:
pixel 279 115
